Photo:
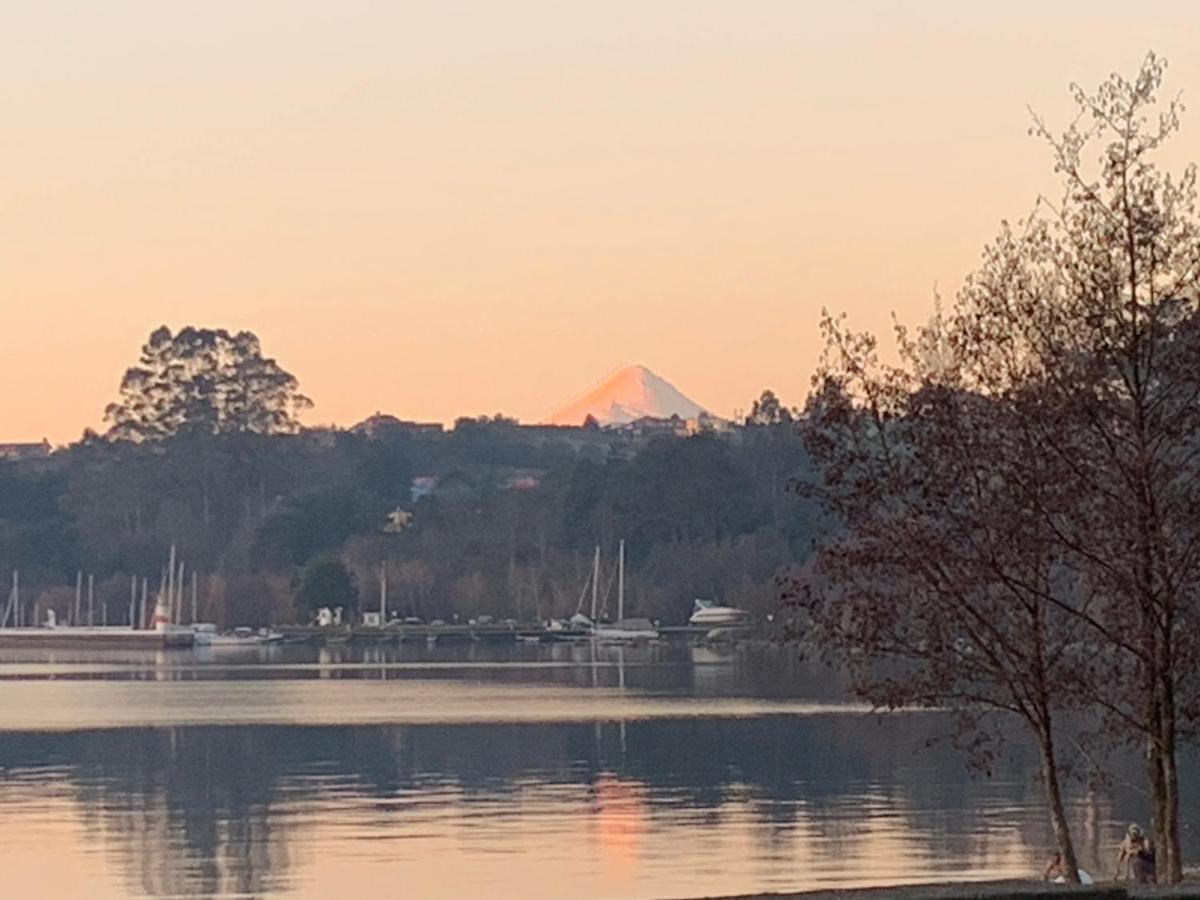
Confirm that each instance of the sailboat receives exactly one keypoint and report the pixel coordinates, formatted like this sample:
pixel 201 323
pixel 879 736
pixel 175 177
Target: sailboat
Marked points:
pixel 580 625
pixel 635 629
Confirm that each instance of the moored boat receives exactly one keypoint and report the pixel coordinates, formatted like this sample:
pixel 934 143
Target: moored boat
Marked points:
pixel 99 636
pixel 709 613
pixel 638 629
pixel 205 634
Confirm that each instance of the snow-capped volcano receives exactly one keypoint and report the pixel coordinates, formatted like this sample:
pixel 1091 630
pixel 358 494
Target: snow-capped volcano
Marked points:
pixel 631 393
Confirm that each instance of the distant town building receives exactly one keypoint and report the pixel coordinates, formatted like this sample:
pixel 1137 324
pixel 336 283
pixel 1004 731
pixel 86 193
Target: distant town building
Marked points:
pixel 708 423
pixel 25 451
pixel 398 520
pixel 381 424
pixel 522 481
pixel 651 426
pixel 422 486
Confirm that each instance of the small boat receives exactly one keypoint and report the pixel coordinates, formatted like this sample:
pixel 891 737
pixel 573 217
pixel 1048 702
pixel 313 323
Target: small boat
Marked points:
pixel 205 634
pixel 626 630
pixel 576 628
pixel 708 613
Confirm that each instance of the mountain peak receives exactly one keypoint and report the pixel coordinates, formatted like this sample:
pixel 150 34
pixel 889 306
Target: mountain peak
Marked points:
pixel 632 392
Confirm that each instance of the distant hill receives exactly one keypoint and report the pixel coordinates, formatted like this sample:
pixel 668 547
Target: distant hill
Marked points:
pixel 630 393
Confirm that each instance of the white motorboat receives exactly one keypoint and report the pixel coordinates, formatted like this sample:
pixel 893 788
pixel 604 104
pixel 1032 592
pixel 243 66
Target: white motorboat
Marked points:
pixel 710 614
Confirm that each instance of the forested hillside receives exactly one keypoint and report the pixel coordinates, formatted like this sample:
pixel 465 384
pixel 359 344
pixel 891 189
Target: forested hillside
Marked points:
pixel 486 518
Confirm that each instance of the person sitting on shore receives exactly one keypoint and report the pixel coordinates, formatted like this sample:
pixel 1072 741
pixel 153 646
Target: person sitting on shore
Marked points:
pixel 1054 871
pixel 1136 857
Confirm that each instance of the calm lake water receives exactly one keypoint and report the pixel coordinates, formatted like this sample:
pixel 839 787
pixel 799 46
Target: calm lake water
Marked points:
pixel 526 772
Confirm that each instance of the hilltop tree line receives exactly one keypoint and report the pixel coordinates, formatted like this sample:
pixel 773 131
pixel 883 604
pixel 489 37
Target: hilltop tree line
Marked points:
pixel 204 451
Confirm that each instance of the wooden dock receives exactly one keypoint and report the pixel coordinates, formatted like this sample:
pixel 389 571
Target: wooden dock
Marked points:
pixel 123 637
pixel 98 637
pixel 449 634
pixel 402 634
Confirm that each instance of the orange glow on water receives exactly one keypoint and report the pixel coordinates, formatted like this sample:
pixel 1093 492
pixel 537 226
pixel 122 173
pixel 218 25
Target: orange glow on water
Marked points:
pixel 620 812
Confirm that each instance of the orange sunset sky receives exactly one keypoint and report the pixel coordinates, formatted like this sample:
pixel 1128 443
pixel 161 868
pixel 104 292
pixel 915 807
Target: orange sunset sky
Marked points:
pixel 452 207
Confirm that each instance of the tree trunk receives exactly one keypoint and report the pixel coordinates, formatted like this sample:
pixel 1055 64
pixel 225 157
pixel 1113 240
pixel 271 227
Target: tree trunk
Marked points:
pixel 1058 815
pixel 1170 858
pixel 1152 680
pixel 1158 795
pixel 1172 870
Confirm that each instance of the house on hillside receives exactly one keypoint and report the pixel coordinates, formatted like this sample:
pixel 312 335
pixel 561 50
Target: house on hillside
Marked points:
pixel 650 427
pixel 381 424
pixel 707 423
pixel 523 480
pixel 422 486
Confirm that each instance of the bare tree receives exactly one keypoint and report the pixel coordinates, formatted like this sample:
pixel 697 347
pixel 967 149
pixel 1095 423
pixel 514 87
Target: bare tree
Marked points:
pixel 939 590
pixel 1034 491
pixel 1094 302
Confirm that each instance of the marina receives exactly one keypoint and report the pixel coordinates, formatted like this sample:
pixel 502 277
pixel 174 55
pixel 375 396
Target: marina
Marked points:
pixel 165 629
pixel 489 633
pixel 183 636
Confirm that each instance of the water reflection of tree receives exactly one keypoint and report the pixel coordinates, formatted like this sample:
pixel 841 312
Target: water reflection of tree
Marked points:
pixel 191 810
pixel 216 809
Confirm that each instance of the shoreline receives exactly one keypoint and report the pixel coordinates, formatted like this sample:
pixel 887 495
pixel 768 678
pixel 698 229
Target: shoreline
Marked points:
pixel 978 890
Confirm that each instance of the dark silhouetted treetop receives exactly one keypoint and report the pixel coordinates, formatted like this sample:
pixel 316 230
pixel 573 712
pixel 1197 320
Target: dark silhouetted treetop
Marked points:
pixel 326 581
pixel 768 410
pixel 204 381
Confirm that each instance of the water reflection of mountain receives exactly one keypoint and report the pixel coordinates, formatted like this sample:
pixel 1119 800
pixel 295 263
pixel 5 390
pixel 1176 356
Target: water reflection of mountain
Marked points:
pixel 213 809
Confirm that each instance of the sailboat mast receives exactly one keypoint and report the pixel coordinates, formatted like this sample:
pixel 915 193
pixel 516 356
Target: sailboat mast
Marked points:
pixel 621 581
pixel 179 595
pixel 383 593
pixel 12 598
pixel 162 597
pixel 595 582
pixel 171 583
